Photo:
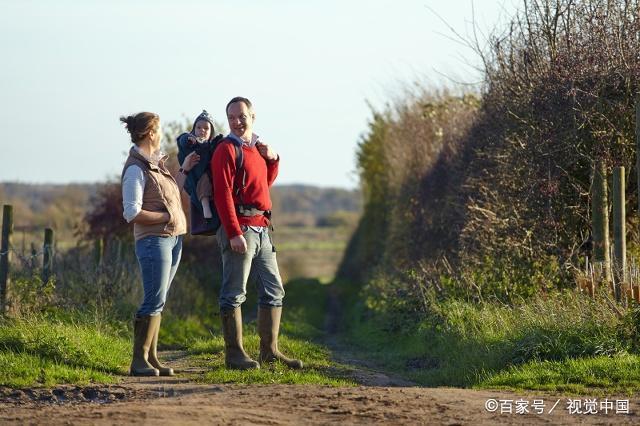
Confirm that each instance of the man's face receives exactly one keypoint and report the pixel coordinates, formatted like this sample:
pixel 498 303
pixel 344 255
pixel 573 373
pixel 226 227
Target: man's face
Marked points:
pixel 240 119
pixel 203 129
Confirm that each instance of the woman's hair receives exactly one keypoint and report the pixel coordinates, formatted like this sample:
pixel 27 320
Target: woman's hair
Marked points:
pixel 139 125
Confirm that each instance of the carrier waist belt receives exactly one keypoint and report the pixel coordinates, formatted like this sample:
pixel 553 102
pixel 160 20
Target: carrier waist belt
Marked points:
pixel 252 211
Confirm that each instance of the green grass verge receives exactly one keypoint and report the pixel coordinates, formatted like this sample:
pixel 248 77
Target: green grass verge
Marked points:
pixel 301 330
pixel 45 351
pixel 65 347
pixel 563 342
pixel 594 375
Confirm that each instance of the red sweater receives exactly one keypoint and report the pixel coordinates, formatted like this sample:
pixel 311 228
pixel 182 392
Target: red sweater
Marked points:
pixel 260 174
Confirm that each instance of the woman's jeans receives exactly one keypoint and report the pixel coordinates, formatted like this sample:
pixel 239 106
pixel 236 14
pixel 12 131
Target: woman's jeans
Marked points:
pixel 258 262
pixel 158 258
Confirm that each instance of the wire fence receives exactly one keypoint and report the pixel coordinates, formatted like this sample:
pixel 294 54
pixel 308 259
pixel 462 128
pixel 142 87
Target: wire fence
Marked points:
pixel 92 273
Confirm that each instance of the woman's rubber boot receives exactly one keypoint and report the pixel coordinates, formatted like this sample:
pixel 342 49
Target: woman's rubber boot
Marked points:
pixel 153 351
pixel 268 329
pixel 234 355
pixel 142 338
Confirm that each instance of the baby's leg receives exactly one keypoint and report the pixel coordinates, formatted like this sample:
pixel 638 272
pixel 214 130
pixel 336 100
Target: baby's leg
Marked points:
pixel 206 208
pixel 204 192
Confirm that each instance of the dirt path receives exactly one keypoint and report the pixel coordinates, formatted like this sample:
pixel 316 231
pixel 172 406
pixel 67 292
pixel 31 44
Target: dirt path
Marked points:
pixel 382 399
pixel 171 402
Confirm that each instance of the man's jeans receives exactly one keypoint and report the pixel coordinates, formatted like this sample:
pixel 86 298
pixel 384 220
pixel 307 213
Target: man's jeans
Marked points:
pixel 259 261
pixel 158 258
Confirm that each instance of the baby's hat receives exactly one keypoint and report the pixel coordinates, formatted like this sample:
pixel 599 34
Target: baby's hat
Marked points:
pixel 204 115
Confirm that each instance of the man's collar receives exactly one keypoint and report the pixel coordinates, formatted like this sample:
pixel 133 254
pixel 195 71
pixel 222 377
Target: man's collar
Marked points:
pixel 254 139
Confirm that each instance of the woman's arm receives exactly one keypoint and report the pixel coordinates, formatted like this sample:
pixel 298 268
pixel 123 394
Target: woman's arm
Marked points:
pixel 133 183
pixel 189 163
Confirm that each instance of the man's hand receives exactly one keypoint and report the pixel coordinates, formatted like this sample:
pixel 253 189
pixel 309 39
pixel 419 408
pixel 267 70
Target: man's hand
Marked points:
pixel 239 244
pixel 266 151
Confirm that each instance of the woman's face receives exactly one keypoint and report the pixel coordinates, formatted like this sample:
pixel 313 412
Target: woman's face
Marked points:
pixel 156 136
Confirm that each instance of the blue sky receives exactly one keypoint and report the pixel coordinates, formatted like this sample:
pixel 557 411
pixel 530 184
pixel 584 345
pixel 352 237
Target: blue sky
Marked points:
pixel 71 68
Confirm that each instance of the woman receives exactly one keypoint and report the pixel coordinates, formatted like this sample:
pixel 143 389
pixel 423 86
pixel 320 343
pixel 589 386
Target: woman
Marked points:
pixel 151 200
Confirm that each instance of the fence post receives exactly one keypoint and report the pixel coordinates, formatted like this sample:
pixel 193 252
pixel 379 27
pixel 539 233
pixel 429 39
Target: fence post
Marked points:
pixel 47 260
pixel 600 218
pixel 118 250
pixel 619 231
pixel 638 147
pixel 98 251
pixel 33 263
pixel 7 230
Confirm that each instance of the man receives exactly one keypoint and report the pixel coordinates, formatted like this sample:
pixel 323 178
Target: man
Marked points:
pixel 241 196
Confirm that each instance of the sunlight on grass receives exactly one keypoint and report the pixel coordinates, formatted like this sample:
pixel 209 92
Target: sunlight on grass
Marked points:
pixel 597 375
pixel 24 370
pixel 43 352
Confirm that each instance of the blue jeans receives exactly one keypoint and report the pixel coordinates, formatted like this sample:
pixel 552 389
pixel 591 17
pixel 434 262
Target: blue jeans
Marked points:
pixel 158 258
pixel 259 262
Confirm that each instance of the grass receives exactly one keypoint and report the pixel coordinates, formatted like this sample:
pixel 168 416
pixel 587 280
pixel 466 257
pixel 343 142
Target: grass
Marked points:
pixel 592 375
pixel 74 348
pixel 44 351
pixel 319 369
pixel 564 342
pixel 301 332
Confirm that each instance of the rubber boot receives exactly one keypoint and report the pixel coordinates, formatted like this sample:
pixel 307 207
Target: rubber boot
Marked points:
pixel 268 329
pixel 142 338
pixel 234 355
pixel 153 351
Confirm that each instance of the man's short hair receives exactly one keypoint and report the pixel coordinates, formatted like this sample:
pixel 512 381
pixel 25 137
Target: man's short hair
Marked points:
pixel 246 101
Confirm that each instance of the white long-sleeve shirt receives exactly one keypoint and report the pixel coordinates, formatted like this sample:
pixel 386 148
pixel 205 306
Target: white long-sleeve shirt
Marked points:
pixel 133 183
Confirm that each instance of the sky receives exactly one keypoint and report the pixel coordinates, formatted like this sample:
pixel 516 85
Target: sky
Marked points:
pixel 313 70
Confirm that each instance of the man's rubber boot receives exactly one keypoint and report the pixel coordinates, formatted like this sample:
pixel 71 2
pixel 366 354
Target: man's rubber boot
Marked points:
pixel 234 355
pixel 268 329
pixel 142 338
pixel 153 350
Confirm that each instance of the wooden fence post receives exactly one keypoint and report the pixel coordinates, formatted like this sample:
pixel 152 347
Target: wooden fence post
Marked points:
pixel 98 251
pixel 619 231
pixel 33 263
pixel 47 260
pixel 7 230
pixel 600 218
pixel 638 147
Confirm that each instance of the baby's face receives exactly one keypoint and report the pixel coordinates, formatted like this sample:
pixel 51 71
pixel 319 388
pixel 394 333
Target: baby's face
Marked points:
pixel 203 130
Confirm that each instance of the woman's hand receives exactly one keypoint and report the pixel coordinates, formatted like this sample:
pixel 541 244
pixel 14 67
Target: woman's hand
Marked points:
pixel 146 217
pixel 190 161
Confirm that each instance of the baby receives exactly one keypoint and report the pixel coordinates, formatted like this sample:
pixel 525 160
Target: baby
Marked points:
pixel 201 140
